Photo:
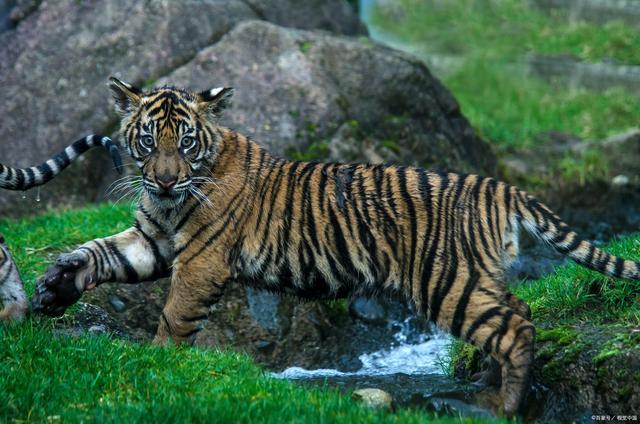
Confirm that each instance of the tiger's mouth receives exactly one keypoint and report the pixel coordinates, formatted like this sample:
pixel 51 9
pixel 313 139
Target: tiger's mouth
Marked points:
pixel 171 197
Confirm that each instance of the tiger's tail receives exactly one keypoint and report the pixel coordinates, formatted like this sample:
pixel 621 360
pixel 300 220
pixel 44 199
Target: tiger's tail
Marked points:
pixel 540 221
pixel 25 178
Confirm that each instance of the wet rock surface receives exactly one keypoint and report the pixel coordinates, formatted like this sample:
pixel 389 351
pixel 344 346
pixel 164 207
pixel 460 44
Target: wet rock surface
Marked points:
pixel 368 310
pixel 433 393
pixel 279 332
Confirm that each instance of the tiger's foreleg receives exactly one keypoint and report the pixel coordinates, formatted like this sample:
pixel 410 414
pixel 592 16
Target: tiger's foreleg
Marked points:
pixel 140 253
pixel 197 283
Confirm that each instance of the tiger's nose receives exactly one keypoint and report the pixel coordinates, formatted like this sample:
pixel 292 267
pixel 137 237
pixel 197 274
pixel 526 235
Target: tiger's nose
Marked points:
pixel 166 181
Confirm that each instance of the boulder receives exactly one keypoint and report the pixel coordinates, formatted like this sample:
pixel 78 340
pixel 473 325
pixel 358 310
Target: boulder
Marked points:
pixel 54 66
pixel 336 16
pixel 300 91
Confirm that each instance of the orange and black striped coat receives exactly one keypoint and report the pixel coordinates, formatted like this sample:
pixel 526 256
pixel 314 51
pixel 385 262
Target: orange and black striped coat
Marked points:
pixel 216 207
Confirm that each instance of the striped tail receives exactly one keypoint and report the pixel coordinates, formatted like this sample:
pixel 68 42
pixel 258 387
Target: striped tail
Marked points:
pixel 540 221
pixel 25 178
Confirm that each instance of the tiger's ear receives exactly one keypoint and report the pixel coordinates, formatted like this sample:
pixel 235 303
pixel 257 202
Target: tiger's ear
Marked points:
pixel 216 100
pixel 127 97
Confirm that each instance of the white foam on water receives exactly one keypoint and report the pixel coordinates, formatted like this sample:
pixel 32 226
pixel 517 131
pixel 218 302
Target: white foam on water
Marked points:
pixel 424 357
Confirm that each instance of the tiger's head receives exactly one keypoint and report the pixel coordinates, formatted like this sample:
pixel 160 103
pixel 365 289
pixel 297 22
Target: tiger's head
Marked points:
pixel 172 136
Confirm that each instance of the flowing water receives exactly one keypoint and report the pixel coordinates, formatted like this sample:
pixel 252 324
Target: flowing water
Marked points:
pixel 410 354
pixel 412 369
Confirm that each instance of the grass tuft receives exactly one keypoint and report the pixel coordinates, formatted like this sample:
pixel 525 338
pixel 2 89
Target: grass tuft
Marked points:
pixel 575 294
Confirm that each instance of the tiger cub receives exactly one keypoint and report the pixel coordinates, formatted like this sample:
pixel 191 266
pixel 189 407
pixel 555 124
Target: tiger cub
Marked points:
pixel 216 208
pixel 12 295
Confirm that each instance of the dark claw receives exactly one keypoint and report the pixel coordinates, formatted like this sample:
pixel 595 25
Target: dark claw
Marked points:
pixel 55 291
pixel 47 298
pixel 52 276
pixel 56 311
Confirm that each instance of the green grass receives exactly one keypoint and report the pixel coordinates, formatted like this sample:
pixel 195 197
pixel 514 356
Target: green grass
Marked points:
pixel 95 379
pixel 36 241
pixel 46 377
pixel 504 29
pixel 491 39
pixel 511 110
pixel 574 294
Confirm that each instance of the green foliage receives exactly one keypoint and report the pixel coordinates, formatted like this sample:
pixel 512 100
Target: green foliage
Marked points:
pixel 463 353
pixel 512 110
pixel 565 347
pixel 317 150
pixel 503 29
pixel 573 293
pixel 337 308
pixel 491 38
pixel 305 46
pixel 621 343
pixel 588 167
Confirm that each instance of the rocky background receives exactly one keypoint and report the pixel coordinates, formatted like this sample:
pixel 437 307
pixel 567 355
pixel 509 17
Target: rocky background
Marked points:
pixel 329 87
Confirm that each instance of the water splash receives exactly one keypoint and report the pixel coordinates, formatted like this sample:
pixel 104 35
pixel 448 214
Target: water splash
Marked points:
pixel 412 355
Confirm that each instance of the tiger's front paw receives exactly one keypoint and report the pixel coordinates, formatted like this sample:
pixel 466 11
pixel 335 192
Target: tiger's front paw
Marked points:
pixel 63 284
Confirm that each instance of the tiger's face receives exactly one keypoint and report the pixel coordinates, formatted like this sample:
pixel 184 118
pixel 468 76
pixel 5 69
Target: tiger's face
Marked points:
pixel 172 136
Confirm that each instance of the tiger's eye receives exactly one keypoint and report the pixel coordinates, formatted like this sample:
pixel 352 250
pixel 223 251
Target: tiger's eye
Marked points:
pixel 147 142
pixel 187 143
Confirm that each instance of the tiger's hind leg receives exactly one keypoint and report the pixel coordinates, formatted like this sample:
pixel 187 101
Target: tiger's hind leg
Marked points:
pixel 492 376
pixel 498 330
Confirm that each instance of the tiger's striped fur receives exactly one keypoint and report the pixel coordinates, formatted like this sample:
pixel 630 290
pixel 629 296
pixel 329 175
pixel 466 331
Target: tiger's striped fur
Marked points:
pixel 26 178
pixel 12 294
pixel 218 208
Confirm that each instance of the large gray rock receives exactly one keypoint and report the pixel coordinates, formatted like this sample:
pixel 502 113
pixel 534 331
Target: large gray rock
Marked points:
pixel 336 16
pixel 364 101
pixel 55 64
